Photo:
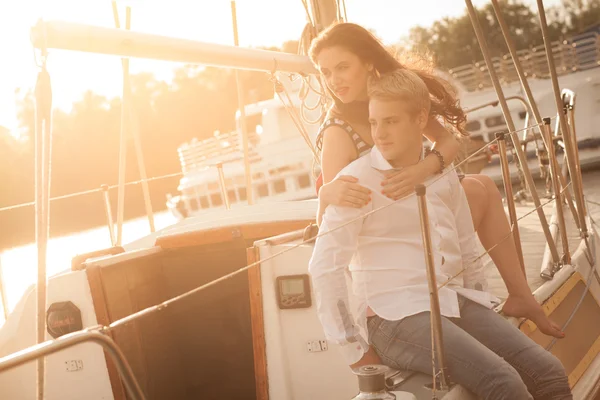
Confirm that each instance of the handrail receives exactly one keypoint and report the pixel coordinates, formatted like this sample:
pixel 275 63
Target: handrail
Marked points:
pixel 524 141
pixel 562 118
pixel 512 211
pixel 511 127
pixel 579 53
pixel 72 339
pixel 437 341
pixel 568 98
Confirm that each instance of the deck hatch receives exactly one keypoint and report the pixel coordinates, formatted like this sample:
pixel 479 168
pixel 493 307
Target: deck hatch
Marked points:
pixel 582 342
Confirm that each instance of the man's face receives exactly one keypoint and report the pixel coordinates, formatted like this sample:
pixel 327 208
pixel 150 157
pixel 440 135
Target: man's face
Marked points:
pixel 396 133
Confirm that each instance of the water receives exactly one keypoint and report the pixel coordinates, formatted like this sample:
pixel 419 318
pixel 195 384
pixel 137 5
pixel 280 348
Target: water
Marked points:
pixel 19 265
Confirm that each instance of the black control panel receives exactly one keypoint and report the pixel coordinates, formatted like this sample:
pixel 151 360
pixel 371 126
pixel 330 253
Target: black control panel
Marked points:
pixel 293 291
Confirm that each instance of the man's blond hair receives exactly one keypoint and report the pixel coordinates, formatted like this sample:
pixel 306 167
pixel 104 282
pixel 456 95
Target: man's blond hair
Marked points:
pixel 401 85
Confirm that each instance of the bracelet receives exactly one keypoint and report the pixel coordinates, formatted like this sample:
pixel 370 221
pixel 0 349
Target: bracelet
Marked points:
pixel 439 156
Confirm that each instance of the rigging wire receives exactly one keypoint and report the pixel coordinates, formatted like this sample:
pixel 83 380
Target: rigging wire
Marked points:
pixel 282 92
pixel 90 191
pixel 150 310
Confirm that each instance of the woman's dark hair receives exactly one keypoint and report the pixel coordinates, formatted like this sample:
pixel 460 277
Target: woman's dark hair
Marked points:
pixel 369 49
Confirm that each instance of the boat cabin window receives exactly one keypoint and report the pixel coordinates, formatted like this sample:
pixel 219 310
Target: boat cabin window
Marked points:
pixel 242 193
pixel 497 120
pixel 231 195
pixel 204 202
pixel 262 190
pixel 216 200
pixel 303 181
pixel 279 186
pixel 473 126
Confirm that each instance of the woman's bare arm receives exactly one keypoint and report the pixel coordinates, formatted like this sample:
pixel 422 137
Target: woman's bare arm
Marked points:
pixel 338 151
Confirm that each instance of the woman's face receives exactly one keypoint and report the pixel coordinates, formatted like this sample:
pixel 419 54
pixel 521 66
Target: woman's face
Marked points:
pixel 345 74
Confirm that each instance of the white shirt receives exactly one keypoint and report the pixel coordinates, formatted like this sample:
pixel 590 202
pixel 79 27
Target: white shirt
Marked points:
pixel 385 256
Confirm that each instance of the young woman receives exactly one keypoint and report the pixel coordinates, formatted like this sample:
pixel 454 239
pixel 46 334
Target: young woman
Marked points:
pixel 347 55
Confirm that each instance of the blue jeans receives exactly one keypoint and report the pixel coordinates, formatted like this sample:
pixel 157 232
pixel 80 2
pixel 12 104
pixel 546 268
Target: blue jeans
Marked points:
pixel 484 353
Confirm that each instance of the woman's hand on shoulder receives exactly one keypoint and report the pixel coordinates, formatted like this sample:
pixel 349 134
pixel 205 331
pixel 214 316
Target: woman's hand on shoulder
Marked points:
pixel 346 192
pixel 399 184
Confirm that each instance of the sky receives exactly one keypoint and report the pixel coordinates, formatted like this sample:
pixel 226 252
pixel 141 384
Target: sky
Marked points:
pixel 260 23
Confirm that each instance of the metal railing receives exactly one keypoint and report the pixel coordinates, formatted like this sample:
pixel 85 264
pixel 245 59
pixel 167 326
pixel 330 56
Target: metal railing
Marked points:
pixel 39 351
pixel 220 148
pixel 577 53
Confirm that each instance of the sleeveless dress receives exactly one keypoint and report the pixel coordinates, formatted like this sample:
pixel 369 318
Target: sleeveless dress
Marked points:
pixel 360 145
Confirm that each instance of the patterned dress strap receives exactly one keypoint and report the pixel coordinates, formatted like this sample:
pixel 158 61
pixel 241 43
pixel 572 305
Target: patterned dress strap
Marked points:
pixel 359 144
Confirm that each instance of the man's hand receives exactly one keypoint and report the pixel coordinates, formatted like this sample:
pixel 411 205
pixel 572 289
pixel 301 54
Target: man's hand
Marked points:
pixel 369 358
pixel 528 307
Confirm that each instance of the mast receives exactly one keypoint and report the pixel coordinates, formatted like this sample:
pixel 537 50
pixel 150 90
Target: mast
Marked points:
pixel 134 126
pixel 125 99
pixel 324 13
pixel 43 129
pixel 243 126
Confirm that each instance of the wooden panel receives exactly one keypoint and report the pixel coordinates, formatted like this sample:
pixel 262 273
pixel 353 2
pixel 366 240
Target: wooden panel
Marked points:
pixel 155 332
pixel 212 327
pixel 150 341
pixel 199 347
pixel 258 326
pixel 221 235
pixel 582 337
pixel 99 300
pixel 119 305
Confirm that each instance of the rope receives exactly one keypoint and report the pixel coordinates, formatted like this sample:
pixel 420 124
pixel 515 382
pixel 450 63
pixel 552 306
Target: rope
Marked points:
pixel 345 12
pixel 158 307
pixel 90 191
pixel 293 113
pixel 512 228
pixel 434 374
pixel 341 10
pixel 308 16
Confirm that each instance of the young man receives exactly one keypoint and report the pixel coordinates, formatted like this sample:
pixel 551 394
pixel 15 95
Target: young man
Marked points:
pixel 484 352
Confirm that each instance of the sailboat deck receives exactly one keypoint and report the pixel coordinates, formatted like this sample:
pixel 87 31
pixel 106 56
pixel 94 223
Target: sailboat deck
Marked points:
pixel 532 236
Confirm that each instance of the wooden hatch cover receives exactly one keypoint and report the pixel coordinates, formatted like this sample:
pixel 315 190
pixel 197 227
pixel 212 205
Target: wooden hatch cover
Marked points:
pixel 252 231
pixel 582 336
